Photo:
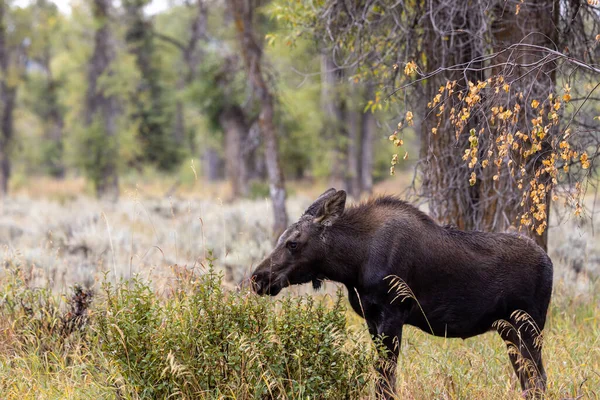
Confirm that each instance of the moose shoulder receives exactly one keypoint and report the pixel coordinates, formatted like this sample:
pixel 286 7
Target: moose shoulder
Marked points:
pixel 400 267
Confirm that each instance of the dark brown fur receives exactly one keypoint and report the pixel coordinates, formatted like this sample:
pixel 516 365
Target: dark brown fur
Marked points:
pixel 463 281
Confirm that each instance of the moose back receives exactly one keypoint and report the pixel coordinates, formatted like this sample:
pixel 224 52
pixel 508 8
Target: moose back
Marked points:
pixel 401 267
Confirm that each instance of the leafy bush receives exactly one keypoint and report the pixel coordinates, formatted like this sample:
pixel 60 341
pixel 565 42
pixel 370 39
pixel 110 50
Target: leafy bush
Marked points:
pixel 205 342
pixel 196 341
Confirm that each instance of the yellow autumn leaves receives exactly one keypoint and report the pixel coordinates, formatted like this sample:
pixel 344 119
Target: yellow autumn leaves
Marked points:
pixel 531 157
pixel 398 142
pixel 410 68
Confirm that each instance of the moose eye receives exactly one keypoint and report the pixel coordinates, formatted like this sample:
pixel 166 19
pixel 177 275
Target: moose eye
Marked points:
pixel 292 245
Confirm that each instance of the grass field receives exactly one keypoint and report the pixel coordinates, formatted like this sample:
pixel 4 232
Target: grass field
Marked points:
pixel 160 336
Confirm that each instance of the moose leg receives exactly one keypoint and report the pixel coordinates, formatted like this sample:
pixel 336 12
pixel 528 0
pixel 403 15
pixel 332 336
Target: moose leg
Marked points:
pixel 525 354
pixel 390 335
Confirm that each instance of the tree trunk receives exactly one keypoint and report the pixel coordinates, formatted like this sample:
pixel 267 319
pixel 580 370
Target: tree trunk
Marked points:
pixel 252 53
pixel 213 164
pixel 54 126
pixel 444 173
pixel 233 121
pixel 490 205
pixel 352 173
pixel 179 126
pixel 276 181
pixel 255 162
pixel 8 93
pixel 102 108
pixel 191 56
pixel 7 106
pixel 366 154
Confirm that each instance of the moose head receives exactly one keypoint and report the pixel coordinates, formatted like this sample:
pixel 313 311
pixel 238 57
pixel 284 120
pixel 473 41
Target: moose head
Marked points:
pixel 302 249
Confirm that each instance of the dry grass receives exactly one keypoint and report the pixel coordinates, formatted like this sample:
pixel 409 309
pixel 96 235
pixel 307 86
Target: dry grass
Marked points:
pixel 478 368
pixel 62 238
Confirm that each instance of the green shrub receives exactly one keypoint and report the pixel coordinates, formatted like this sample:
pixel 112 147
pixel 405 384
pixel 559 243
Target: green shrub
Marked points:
pixel 199 341
pixel 206 342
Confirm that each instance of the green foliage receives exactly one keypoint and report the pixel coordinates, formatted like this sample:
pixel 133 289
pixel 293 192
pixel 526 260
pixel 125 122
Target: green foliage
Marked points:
pixel 149 76
pixel 154 116
pixel 206 342
pixel 301 120
pixel 199 341
pixel 104 148
pixel 222 85
pixel 41 96
pixel 52 157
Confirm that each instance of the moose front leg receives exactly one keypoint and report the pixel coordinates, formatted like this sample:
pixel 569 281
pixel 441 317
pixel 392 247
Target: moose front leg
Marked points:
pixel 390 336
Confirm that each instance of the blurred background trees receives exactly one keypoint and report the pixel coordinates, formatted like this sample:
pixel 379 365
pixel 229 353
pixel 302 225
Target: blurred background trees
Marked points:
pixel 103 88
pixel 250 92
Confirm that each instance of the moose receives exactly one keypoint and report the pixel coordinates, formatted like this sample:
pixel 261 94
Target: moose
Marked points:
pixel 401 267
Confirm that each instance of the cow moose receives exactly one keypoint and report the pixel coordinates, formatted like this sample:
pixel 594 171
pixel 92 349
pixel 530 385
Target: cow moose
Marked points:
pixel 456 284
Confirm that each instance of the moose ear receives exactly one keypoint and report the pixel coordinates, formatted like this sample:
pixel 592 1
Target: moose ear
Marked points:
pixel 333 208
pixel 314 208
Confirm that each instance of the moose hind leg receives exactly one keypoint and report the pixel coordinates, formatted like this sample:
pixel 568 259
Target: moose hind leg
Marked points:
pixel 524 346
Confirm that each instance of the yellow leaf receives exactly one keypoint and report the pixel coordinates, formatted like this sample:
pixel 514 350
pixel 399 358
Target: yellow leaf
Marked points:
pixel 409 118
pixel 410 68
pixel 535 104
pixel 585 163
pixel 540 229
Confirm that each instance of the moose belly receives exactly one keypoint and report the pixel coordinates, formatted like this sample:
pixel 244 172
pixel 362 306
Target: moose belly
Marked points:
pixel 466 298
pixel 454 317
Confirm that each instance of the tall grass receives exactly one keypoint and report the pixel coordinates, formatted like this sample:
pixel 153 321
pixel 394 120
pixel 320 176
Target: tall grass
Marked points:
pixel 479 367
pixel 177 332
pixel 198 341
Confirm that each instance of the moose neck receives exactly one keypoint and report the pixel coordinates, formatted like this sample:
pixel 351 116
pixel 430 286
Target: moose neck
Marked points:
pixel 347 252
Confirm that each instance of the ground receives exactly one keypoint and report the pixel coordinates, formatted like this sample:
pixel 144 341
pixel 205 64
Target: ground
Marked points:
pixel 61 237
